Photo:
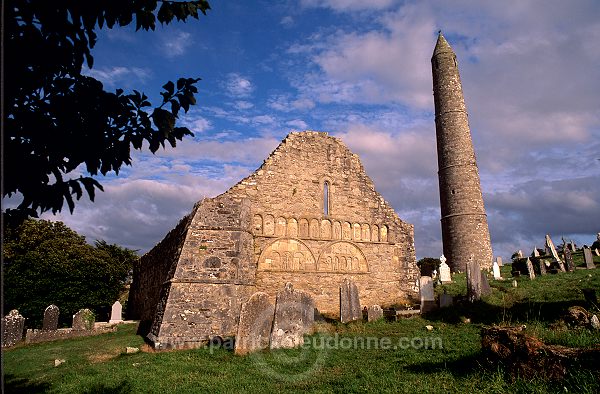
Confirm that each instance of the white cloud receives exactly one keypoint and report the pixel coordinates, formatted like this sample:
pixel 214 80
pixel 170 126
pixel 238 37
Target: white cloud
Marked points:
pixel 242 105
pixel 195 122
pixel 176 44
pixel 238 85
pixel 287 21
pixel 112 76
pixel 298 124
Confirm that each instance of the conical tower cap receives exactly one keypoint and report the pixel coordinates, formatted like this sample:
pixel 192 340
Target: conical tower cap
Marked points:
pixel 442 45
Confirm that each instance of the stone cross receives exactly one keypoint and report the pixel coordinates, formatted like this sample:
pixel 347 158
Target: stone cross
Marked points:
pixel 588 259
pixel 349 302
pixel 550 245
pixel 12 328
pixel 443 259
pixel 530 270
pixel 445 276
pixel 496 270
pixel 426 294
pixel 51 315
pixel 254 328
pixel 294 317
pixel 83 320
pixel 374 313
pixel 116 313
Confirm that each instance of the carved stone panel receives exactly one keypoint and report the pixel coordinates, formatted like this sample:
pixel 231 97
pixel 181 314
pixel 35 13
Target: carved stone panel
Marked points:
pixel 337 230
pixel 280 227
pixel 269 225
pixel 292 228
pixel 257 225
pixel 356 232
pixel 325 229
pixel 366 232
pixel 346 231
pixel 287 255
pixel 303 228
pixel 342 257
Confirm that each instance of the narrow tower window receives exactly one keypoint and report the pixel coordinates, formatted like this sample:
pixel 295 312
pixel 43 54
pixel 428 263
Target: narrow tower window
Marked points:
pixel 326 198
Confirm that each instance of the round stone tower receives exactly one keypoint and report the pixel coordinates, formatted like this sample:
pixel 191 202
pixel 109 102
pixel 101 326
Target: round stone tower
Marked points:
pixel 465 233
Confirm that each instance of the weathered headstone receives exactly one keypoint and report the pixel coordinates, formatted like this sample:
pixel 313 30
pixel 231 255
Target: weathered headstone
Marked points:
pixel 51 315
pixel 445 276
pixel 530 270
pixel 446 300
pixel 573 246
pixel 499 261
pixel 116 313
pixel 294 317
pixel 256 321
pixel 496 270
pixel 568 260
pixel 539 265
pixel 520 254
pixel 473 280
pixel 588 259
pixel 515 283
pixel 12 328
pixel 374 312
pixel 550 245
pixel 535 253
pixel 349 302
pixel 485 284
pixel 426 294
pixel 83 320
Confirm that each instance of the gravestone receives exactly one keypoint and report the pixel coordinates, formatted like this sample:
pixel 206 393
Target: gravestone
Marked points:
pixel 485 284
pixel 573 246
pixel 515 283
pixel 588 259
pixel 520 254
pixel 83 320
pixel 256 321
pixel 535 253
pixel 550 245
pixel 426 294
pixel 116 313
pixel 446 300
pixel 445 275
pixel 294 317
pixel 12 328
pixel 568 260
pixel 499 261
pixel 349 302
pixel 473 280
pixel 597 252
pixel 496 270
pixel 374 313
pixel 530 270
pixel 50 322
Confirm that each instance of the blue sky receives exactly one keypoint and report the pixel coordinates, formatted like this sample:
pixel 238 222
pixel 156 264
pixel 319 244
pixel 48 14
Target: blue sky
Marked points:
pixel 361 71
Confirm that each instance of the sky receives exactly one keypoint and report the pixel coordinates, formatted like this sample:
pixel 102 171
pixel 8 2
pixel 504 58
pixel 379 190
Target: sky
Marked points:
pixel 361 71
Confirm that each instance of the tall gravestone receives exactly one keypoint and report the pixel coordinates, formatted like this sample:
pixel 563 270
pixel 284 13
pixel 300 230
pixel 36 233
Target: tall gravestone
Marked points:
pixel 374 312
pixel 13 325
pixel 294 317
pixel 426 293
pixel 349 302
pixel 256 321
pixel 569 265
pixel 116 313
pixel 445 275
pixel 51 315
pixel 542 265
pixel 588 259
pixel 499 261
pixel 485 284
pixel 550 245
pixel 473 281
pixel 83 320
pixel 530 270
pixel 535 253
pixel 496 270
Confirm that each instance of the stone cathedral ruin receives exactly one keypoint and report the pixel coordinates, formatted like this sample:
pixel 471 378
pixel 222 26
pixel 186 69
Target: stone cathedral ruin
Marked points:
pixel 309 215
pixel 308 219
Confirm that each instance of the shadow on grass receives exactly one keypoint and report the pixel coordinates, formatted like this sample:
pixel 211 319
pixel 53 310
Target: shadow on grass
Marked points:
pixel 13 384
pixel 461 367
pixel 484 313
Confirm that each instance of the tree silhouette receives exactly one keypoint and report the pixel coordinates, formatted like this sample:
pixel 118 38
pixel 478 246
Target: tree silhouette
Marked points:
pixel 57 119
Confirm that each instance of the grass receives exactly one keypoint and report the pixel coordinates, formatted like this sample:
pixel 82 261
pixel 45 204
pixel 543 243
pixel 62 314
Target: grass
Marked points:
pixel 99 365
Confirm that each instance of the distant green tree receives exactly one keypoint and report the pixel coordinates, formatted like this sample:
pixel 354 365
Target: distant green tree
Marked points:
pixel 428 264
pixel 58 119
pixel 48 263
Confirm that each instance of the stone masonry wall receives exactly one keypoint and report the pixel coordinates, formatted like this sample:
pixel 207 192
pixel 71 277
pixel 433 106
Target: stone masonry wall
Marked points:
pixel 211 280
